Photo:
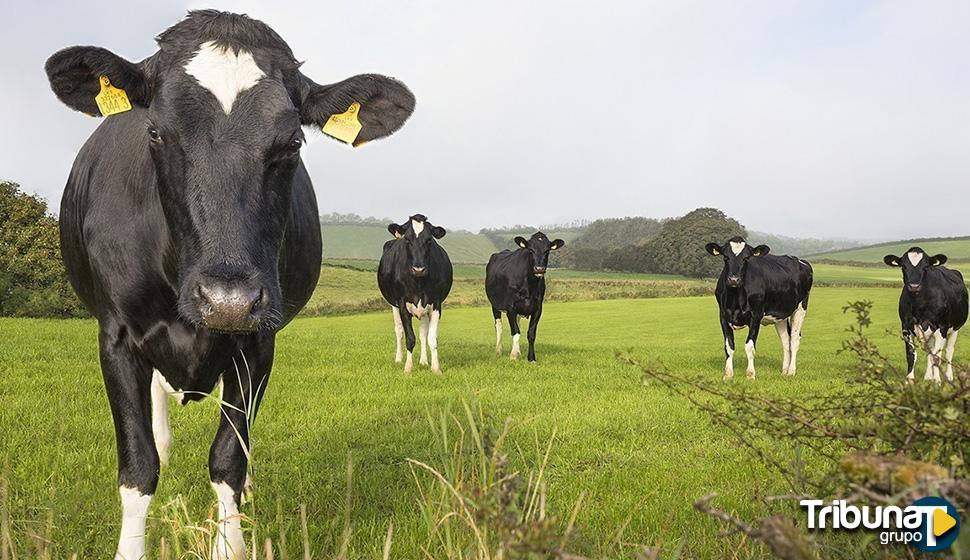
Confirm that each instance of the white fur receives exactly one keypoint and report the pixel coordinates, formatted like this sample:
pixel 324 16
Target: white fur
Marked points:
pixel 795 340
pixel 409 363
pixel 951 343
pixel 423 331
pixel 160 426
pixel 915 257
pixel 782 328
pixel 433 340
pixel 515 347
pixel 398 334
pixel 729 363
pixel 134 513
pixel 934 345
pixel 418 310
pixel 223 72
pixel 417 227
pixel 737 247
pixel 228 543
pixel 749 351
pixel 498 336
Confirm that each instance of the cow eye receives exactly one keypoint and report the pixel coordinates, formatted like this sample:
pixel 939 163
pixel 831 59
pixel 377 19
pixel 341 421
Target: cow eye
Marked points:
pixel 153 134
pixel 294 145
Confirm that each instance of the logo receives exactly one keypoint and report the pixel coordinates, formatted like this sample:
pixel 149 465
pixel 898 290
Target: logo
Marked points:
pixel 931 524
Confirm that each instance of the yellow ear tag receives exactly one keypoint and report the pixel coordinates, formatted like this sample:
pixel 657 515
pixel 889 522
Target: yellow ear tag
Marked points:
pixel 345 126
pixel 111 100
pixel 397 235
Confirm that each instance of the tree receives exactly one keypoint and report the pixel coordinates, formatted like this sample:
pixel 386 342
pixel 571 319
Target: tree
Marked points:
pixel 33 282
pixel 679 247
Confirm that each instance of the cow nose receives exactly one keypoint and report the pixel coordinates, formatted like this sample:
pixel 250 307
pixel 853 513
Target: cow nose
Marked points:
pixel 913 287
pixel 539 270
pixel 230 306
pixel 419 271
pixel 734 281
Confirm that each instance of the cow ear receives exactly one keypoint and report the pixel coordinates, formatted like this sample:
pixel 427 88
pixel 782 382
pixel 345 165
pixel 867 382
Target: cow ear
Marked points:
pixel 938 260
pixel 438 232
pixel 520 241
pixel 557 244
pixel 380 104
pixel 75 75
pixel 395 230
pixel 714 249
pixel 891 260
pixel 761 250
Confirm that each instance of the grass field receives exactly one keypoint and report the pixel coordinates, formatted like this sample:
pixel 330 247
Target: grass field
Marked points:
pixel 955 248
pixel 637 454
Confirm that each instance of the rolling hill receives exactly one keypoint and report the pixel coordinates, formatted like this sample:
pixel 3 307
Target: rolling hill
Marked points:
pixel 957 248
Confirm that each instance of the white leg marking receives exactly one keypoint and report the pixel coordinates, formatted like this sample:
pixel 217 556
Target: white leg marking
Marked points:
pixel 749 350
pixel 797 320
pixel 951 345
pixel 782 328
pixel 433 339
pixel 912 341
pixel 224 72
pixel 160 427
pixel 409 363
pixel 425 325
pixel 498 336
pixel 398 335
pixel 729 364
pixel 229 543
pixel 134 512
pixel 515 347
pixel 934 345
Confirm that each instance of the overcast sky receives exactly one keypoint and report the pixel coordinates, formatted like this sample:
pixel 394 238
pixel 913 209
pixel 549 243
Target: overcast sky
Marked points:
pixel 823 119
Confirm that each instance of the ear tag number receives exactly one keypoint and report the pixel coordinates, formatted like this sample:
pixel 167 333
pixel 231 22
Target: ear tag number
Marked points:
pixel 345 126
pixel 111 100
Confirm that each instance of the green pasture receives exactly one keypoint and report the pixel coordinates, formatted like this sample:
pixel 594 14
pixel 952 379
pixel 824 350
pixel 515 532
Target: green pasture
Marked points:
pixel 638 455
pixel 955 248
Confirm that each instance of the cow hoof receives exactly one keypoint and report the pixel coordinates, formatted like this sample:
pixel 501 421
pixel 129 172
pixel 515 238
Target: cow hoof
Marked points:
pixel 436 370
pixel 247 493
pixel 398 359
pixel 728 377
pixel 750 376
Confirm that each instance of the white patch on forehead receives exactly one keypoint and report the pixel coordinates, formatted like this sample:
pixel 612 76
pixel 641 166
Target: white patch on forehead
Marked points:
pixel 223 72
pixel 737 247
pixel 915 257
pixel 417 226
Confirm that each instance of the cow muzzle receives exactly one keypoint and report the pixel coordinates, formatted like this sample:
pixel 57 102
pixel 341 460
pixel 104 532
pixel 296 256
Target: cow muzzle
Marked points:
pixel 419 271
pixel 914 288
pixel 539 271
pixel 734 281
pixel 231 306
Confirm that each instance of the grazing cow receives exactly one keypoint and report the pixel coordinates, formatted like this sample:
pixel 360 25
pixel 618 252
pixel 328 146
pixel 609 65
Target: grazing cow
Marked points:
pixel 415 276
pixel 515 283
pixel 756 288
pixel 189 229
pixel 932 308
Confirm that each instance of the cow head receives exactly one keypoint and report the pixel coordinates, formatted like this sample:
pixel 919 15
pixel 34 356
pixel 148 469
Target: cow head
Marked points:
pixel 538 247
pixel 417 236
pixel 219 108
pixel 736 253
pixel 914 263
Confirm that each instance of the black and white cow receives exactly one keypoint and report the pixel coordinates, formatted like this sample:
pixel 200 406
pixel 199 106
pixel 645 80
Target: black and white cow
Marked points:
pixel 189 229
pixel 515 283
pixel 756 288
pixel 415 277
pixel 932 308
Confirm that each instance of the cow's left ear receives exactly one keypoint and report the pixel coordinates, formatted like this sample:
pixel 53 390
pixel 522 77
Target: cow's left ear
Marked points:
pixel 395 230
pixel 380 104
pixel 938 260
pixel 75 75
pixel 438 232
pixel 760 251
pixel 520 241
pixel 557 244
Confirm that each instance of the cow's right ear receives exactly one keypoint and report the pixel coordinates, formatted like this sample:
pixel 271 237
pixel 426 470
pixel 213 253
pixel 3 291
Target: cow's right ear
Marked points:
pixel 395 230
pixel 75 77
pixel 520 241
pixel 714 249
pixel 376 104
pixel 891 260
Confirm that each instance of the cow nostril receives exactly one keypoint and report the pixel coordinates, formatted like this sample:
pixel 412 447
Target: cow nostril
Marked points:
pixel 261 302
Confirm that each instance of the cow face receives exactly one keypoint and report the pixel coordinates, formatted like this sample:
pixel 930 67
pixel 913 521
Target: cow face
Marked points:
pixel 220 108
pixel 538 247
pixel 914 263
pixel 736 253
pixel 417 236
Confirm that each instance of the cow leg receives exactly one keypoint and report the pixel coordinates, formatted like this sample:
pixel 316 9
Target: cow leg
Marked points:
pixel 728 349
pixel 408 338
pixel 423 327
pixel 533 327
pixel 795 336
pixel 497 315
pixel 752 342
pixel 128 380
pixel 909 339
pixel 514 327
pixel 434 320
pixel 398 335
pixel 951 345
pixel 934 346
pixel 243 386
pixel 785 337
pixel 160 427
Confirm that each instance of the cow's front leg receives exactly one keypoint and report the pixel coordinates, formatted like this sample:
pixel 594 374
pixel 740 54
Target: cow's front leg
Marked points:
pixel 934 347
pixel 797 321
pixel 750 345
pixel 408 337
pixel 909 338
pixel 951 345
pixel 514 327
pixel 398 335
pixel 533 327
pixel 424 325
pixel 434 320
pixel 127 379
pixel 785 338
pixel 243 386
pixel 728 333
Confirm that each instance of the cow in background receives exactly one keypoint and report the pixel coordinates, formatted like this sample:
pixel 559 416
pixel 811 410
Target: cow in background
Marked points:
pixel 932 308
pixel 415 277
pixel 757 288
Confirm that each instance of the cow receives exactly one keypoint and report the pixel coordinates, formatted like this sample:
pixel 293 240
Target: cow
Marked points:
pixel 932 308
pixel 757 288
pixel 515 283
pixel 189 229
pixel 415 277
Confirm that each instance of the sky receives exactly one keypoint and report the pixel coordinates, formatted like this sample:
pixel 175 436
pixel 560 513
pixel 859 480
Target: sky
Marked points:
pixel 808 119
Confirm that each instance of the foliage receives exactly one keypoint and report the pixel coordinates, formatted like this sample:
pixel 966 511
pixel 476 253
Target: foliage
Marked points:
pixel 32 278
pixel 338 219
pixel 602 237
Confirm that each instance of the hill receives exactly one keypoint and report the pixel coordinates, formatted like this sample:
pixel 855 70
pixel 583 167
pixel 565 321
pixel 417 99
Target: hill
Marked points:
pixel 957 248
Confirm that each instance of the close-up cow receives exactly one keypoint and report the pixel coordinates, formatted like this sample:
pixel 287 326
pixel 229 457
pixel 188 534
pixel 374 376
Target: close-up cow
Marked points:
pixel 756 288
pixel 189 229
pixel 415 277
pixel 932 310
pixel 515 283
